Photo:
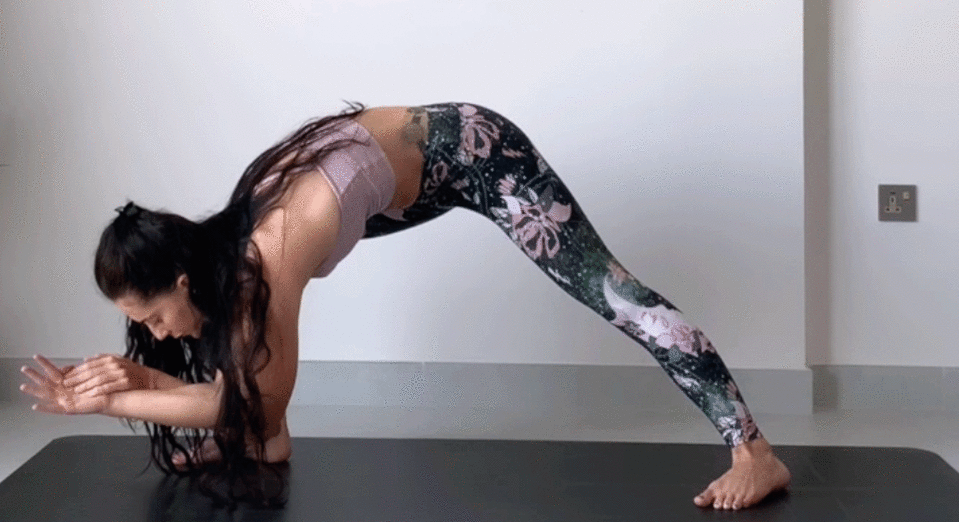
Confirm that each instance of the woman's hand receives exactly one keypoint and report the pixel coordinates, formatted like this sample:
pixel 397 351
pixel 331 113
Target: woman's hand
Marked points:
pixel 57 398
pixel 105 374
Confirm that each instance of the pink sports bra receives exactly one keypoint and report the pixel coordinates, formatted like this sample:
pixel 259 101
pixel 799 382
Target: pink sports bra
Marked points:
pixel 363 181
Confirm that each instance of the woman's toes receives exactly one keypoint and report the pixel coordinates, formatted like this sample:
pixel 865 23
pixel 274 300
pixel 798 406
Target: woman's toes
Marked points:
pixel 179 460
pixel 729 500
pixel 704 499
pixel 718 502
pixel 734 500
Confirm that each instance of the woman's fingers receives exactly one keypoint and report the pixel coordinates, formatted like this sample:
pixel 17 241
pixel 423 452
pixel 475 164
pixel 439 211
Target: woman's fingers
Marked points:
pixel 100 389
pixel 90 385
pixel 37 391
pixel 82 372
pixel 118 373
pixel 34 375
pixel 75 370
pixel 56 374
pixel 51 370
pixel 81 385
pixel 73 378
pixel 49 407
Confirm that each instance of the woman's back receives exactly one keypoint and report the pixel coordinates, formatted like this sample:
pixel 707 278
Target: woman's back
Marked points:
pixel 311 201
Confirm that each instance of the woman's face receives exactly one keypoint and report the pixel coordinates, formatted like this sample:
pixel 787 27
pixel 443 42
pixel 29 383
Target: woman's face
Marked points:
pixel 169 313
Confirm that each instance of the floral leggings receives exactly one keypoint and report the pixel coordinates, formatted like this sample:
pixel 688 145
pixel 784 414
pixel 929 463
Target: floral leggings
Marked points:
pixel 477 159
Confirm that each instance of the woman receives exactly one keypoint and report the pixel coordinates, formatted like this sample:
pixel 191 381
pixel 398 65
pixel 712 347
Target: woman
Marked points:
pixel 217 302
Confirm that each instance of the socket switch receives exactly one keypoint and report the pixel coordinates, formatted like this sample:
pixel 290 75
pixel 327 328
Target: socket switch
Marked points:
pixel 897 202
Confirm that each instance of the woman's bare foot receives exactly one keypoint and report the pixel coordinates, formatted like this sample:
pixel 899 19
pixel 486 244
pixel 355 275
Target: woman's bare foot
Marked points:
pixel 208 453
pixel 279 448
pixel 755 473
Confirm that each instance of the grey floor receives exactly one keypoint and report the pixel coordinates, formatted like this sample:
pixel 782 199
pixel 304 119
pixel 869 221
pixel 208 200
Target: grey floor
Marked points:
pixel 24 432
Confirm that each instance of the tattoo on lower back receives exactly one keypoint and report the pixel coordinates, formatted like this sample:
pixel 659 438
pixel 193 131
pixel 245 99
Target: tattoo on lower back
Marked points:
pixel 415 131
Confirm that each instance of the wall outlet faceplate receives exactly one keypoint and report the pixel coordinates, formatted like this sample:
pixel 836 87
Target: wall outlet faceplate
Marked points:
pixel 897 202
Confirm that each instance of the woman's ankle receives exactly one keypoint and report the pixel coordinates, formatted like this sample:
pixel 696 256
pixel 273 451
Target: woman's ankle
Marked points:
pixel 755 448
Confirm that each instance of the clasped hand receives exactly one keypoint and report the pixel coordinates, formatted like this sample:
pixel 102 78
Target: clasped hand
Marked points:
pixel 86 388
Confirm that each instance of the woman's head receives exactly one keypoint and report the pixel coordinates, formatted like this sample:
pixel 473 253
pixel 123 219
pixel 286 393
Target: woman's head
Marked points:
pixel 167 314
pixel 144 265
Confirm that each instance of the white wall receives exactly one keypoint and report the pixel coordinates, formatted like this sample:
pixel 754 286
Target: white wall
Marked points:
pixel 891 289
pixel 677 124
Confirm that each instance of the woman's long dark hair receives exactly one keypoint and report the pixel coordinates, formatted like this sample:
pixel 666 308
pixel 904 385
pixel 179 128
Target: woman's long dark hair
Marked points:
pixel 143 252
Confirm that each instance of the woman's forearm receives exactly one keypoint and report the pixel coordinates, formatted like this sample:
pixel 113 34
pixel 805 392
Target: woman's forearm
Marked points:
pixel 164 381
pixel 188 406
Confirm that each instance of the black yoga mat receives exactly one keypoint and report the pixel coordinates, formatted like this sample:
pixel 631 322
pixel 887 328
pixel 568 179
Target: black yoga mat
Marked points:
pixel 96 478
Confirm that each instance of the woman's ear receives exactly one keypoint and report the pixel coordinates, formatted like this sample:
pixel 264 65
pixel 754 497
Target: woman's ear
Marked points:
pixel 183 281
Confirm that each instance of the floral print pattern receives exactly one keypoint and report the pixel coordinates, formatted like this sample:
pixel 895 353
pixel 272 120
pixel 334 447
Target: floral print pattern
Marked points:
pixel 531 222
pixel 478 160
pixel 438 175
pixel 657 325
pixel 478 135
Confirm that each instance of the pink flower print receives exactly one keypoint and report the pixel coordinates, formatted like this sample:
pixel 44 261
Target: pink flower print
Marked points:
pixel 680 335
pixel 533 222
pixel 438 174
pixel 540 162
pixel 506 185
pixel 617 271
pixel 740 426
pixel 667 326
pixel 510 153
pixel 478 135
pixel 538 230
pixel 746 421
